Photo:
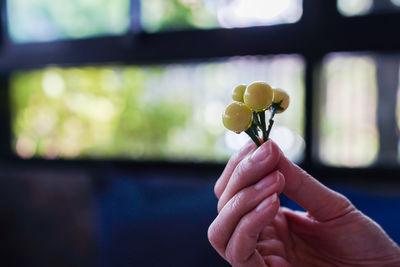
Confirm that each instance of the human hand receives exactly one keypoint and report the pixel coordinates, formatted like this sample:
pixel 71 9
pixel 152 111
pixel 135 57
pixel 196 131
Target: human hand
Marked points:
pixel 252 229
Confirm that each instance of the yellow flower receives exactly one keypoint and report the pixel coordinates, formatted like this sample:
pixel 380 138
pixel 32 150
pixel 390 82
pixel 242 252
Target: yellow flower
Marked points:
pixel 238 93
pixel 237 117
pixel 258 96
pixel 281 100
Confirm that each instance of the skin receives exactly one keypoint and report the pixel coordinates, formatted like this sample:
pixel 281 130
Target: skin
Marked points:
pixel 251 228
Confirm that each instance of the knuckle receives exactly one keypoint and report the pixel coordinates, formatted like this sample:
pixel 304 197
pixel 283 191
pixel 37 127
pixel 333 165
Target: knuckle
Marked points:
pixel 240 201
pixel 346 204
pixel 217 189
pixel 236 201
pixel 212 234
pixel 230 255
pixel 242 168
pixel 243 233
pixel 340 200
pixel 234 253
pixel 242 229
pixel 220 205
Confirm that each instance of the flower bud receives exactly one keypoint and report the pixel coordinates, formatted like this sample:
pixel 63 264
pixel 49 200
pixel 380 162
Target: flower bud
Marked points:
pixel 258 96
pixel 281 100
pixel 238 93
pixel 237 117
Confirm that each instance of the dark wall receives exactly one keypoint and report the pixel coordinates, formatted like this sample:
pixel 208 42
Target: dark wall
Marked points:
pixel 143 218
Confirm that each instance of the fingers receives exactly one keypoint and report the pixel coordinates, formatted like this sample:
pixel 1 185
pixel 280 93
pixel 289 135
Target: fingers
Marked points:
pixel 239 220
pixel 276 261
pixel 250 170
pixel 231 165
pixel 241 249
pixel 321 202
pixel 271 247
pixel 243 169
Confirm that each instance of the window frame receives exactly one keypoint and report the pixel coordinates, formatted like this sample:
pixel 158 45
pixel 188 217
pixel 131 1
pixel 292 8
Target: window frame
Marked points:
pixel 320 31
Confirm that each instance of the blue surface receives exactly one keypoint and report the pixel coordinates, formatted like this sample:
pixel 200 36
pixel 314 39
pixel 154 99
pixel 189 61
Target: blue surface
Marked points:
pixel 156 222
pixel 150 220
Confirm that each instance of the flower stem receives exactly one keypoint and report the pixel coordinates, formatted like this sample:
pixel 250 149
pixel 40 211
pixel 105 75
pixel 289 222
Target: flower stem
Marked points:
pixel 253 136
pixel 271 120
pixel 254 128
pixel 263 125
pixel 256 119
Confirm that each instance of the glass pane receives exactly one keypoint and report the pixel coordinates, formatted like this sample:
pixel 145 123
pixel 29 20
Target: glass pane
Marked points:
pixel 45 20
pixel 159 15
pixel 365 7
pixel 348 123
pixel 152 112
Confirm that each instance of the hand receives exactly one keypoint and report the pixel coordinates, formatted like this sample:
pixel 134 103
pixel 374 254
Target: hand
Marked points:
pixel 252 230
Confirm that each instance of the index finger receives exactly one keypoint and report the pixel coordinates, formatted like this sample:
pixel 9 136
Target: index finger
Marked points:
pixel 221 183
pixel 250 170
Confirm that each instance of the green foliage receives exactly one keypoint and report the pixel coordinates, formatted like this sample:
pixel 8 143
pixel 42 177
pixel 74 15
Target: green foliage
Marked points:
pixel 36 20
pixel 159 15
pixel 92 112
pixel 143 112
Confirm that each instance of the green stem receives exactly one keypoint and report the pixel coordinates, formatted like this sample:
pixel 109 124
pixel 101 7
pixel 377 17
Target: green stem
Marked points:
pixel 253 136
pixel 256 119
pixel 263 125
pixel 254 128
pixel 271 120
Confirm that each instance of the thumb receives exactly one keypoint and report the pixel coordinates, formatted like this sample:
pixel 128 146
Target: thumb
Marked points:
pixel 321 202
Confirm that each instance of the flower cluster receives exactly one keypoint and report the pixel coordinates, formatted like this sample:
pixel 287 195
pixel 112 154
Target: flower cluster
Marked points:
pixel 247 112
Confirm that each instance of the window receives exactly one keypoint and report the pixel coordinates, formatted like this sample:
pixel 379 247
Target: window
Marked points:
pixel 164 112
pixel 364 7
pixel 358 110
pixel 47 20
pixel 161 15
pixel 154 85
pixel 348 111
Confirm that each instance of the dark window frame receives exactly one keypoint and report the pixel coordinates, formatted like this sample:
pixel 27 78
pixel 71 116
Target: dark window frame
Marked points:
pixel 320 31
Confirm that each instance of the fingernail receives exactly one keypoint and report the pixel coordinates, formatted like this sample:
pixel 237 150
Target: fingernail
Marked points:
pixel 280 175
pixel 263 205
pixel 262 152
pixel 264 183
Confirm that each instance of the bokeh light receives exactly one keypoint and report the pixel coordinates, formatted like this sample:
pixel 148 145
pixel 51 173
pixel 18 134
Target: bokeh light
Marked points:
pixel 348 123
pixel 47 20
pixel 164 112
pixel 354 7
pixel 365 7
pixel 395 2
pixel 159 15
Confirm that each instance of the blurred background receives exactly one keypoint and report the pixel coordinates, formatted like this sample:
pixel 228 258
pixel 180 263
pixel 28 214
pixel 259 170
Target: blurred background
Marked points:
pixel 111 118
